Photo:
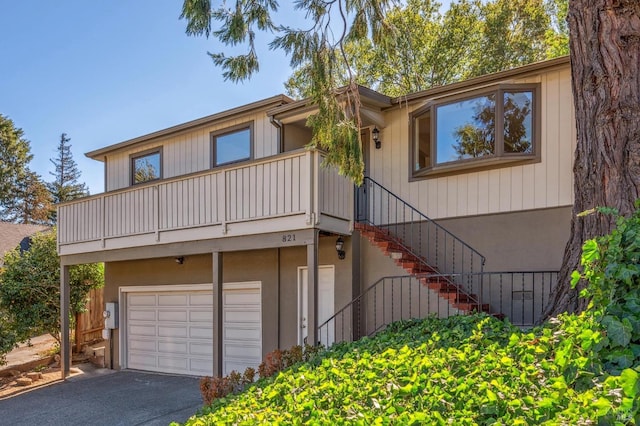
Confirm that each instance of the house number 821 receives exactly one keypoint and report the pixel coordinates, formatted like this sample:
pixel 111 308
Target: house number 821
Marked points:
pixel 288 238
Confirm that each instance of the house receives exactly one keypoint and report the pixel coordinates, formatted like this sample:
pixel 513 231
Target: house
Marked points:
pixel 224 238
pixel 13 235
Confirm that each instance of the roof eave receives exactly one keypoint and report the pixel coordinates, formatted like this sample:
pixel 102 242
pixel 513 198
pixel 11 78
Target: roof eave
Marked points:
pixel 99 154
pixel 483 79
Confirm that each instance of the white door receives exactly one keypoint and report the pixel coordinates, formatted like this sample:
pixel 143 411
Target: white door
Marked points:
pixel 170 332
pixel 241 326
pixel 326 302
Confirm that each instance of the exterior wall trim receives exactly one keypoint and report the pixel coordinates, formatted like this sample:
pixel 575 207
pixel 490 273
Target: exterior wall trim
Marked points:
pixel 478 82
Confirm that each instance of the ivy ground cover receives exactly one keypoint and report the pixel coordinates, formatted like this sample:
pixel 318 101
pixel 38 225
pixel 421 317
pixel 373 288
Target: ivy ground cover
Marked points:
pixel 463 370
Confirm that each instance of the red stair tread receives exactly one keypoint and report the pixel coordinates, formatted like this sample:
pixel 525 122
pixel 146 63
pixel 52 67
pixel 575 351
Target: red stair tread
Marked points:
pixel 428 276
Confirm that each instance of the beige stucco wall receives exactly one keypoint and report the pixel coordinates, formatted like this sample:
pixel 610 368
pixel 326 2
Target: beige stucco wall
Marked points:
pixel 277 269
pixel 291 259
pixel 522 241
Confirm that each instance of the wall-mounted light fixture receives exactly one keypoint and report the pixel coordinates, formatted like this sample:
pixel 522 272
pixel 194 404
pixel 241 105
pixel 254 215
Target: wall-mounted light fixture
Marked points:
pixel 179 260
pixel 376 137
pixel 340 248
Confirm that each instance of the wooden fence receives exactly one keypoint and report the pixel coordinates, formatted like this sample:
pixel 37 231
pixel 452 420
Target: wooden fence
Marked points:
pixel 89 324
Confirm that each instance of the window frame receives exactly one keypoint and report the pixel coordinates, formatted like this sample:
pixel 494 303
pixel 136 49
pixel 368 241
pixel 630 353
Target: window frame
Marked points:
pixel 137 155
pixel 227 131
pixel 500 158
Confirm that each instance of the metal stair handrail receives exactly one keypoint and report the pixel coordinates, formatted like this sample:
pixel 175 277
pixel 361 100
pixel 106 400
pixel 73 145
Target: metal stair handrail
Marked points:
pixel 520 296
pixel 355 300
pixel 414 210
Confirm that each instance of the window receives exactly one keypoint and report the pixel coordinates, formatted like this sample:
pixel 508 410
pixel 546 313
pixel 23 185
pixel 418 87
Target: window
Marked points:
pixel 146 166
pixel 485 129
pixel 232 145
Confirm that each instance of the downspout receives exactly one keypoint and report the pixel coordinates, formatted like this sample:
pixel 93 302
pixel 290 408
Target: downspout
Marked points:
pixel 278 125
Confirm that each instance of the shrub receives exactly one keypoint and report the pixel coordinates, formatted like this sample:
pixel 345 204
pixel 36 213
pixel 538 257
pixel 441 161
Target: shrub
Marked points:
pixel 213 388
pixel 30 288
pixel 467 370
pixel 461 370
pixel 612 270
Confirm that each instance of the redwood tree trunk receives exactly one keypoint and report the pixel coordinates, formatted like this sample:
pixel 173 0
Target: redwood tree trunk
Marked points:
pixel 605 58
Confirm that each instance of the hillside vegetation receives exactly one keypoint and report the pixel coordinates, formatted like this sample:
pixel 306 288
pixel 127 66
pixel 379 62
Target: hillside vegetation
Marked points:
pixel 461 370
pixel 474 369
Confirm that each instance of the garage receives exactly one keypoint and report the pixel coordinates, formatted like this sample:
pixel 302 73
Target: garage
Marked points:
pixel 241 326
pixel 169 331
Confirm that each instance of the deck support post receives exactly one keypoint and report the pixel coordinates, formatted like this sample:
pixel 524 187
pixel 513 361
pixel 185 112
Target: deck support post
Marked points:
pixel 217 317
pixel 312 293
pixel 65 341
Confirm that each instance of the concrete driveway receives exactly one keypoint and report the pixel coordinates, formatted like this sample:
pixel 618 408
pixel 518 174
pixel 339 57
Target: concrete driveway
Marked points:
pixel 120 398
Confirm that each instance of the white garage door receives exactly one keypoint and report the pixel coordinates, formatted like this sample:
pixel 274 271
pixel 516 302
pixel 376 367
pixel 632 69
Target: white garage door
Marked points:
pixel 241 326
pixel 170 332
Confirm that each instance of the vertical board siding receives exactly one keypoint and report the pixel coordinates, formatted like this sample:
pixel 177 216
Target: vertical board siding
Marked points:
pixel 81 221
pixel 335 193
pixel 91 321
pixel 285 185
pixel 266 189
pixel 548 183
pixel 189 202
pixel 190 152
pixel 132 212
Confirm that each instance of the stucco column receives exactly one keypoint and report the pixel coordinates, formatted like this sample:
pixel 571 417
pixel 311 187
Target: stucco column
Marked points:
pixel 217 313
pixel 356 287
pixel 65 343
pixel 312 292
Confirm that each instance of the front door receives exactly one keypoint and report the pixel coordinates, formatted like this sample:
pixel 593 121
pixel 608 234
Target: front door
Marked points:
pixel 326 302
pixel 362 206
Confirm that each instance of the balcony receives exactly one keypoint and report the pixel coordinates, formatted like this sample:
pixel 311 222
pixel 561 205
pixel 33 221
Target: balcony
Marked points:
pixel 290 191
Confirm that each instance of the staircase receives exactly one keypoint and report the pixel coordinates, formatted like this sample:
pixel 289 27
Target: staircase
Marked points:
pixel 424 248
pixel 444 285
pixel 445 275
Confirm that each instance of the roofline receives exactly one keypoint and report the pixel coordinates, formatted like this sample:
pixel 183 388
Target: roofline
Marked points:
pixel 487 78
pixel 307 104
pixel 98 154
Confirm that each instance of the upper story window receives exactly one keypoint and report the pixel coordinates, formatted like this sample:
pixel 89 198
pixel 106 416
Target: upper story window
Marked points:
pixel 484 129
pixel 232 145
pixel 146 166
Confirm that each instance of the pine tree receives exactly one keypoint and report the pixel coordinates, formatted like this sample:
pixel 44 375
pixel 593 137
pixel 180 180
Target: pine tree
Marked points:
pixel 65 186
pixel 31 203
pixel 15 154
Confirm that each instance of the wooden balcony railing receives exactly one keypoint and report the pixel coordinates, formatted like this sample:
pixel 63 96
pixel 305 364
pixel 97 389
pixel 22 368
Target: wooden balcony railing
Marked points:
pixel 288 185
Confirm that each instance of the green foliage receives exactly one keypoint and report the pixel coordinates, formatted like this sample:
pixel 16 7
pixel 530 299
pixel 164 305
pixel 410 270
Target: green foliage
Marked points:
pixel 432 47
pixel 15 154
pixel 65 186
pixel 213 388
pixel 393 47
pixel 462 370
pixel 31 202
pixel 611 267
pixel 557 36
pixel 321 49
pixel 30 287
pixel 8 337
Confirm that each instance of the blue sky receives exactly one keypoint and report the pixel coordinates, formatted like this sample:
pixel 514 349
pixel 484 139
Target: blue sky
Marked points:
pixel 108 71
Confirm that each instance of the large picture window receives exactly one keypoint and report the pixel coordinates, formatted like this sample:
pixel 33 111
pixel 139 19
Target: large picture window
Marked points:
pixel 232 145
pixel 484 129
pixel 146 166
